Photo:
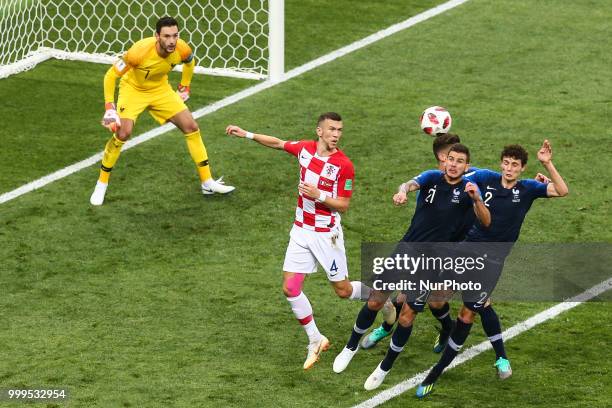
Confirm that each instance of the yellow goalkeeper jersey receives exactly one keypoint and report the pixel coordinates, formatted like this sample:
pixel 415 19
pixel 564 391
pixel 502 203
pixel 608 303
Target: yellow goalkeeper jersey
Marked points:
pixel 144 69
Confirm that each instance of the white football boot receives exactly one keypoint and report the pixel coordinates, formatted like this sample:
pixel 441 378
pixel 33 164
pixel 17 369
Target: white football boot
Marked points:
pixel 97 197
pixel 211 186
pixel 375 379
pixel 343 359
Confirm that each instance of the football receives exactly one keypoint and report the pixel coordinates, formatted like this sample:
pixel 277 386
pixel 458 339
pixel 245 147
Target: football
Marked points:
pixel 436 120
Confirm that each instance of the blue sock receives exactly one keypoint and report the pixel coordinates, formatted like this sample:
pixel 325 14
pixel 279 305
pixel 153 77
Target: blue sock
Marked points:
pixel 443 316
pixel 492 327
pixel 398 341
pixel 388 327
pixel 365 318
pixel 455 342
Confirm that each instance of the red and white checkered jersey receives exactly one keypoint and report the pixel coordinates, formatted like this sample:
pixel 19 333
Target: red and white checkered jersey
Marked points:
pixel 333 175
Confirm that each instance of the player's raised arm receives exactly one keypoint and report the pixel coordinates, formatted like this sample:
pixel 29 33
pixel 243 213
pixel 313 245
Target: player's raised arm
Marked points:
pixel 401 197
pixel 268 141
pixel 557 186
pixel 482 212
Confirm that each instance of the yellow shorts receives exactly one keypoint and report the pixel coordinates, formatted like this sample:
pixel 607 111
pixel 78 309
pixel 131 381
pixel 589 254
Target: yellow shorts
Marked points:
pixel 163 103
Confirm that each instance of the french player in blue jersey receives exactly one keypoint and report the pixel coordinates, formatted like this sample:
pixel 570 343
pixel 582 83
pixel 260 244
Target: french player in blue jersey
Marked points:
pixel 438 305
pixel 444 200
pixel 437 302
pixel 509 199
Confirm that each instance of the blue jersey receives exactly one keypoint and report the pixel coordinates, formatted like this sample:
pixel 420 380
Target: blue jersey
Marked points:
pixel 441 209
pixel 471 171
pixel 470 217
pixel 508 206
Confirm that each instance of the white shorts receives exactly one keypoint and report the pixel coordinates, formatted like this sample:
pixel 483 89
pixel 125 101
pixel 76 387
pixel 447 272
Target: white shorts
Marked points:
pixel 307 248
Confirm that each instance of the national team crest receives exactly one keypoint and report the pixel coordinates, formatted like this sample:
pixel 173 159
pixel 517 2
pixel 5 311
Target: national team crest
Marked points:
pixel 456 193
pixel 516 198
pixel 120 65
pixel 330 171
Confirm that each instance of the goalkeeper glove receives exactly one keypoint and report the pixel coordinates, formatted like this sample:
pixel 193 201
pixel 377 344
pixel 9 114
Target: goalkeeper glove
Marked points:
pixel 183 92
pixel 111 119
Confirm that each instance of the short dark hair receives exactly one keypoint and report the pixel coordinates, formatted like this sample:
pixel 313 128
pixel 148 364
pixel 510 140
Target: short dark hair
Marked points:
pixel 165 22
pixel 329 115
pixel 444 140
pixel 515 151
pixel 459 148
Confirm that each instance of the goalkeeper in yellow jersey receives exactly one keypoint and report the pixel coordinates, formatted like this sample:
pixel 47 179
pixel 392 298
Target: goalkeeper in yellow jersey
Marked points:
pixel 144 85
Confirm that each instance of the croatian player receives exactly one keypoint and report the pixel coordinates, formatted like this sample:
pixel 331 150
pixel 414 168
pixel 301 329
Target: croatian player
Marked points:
pixel 444 200
pixel 144 85
pixel 324 191
pixel 509 199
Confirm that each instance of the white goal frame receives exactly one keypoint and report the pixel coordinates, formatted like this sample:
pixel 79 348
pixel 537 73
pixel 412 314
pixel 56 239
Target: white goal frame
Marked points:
pixel 34 51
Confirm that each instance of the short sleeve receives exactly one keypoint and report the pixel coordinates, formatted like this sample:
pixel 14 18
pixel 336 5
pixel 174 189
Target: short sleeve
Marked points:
pixel 427 177
pixel 346 179
pixel 479 176
pixel 536 189
pixel 294 147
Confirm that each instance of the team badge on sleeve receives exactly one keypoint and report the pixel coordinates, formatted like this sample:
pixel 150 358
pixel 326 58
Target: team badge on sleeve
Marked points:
pixel 120 65
pixel 348 185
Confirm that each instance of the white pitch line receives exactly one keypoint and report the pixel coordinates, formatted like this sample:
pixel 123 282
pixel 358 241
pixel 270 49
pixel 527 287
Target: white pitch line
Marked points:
pixel 473 351
pixel 66 171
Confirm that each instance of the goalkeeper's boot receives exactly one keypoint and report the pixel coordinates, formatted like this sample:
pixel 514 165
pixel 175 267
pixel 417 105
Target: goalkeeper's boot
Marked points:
pixel 374 337
pixel 389 313
pixel 442 340
pixel 211 186
pixel 314 351
pixel 343 359
pixel 97 197
pixel 375 379
pixel 503 368
pixel 424 390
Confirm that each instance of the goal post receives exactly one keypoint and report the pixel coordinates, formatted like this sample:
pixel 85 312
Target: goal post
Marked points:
pixel 276 40
pixel 238 38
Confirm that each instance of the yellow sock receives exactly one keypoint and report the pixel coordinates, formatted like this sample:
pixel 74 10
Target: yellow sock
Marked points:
pixel 111 155
pixel 198 154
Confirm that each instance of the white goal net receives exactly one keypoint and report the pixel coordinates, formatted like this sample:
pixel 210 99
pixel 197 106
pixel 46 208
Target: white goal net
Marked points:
pixel 242 38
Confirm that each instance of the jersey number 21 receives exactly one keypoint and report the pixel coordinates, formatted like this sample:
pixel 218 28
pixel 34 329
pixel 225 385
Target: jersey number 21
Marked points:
pixel 430 195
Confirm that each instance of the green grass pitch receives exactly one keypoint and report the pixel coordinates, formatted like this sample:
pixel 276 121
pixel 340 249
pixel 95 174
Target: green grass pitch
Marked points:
pixel 163 298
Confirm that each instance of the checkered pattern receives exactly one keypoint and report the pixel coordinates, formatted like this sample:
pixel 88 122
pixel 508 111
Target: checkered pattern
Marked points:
pixel 332 175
